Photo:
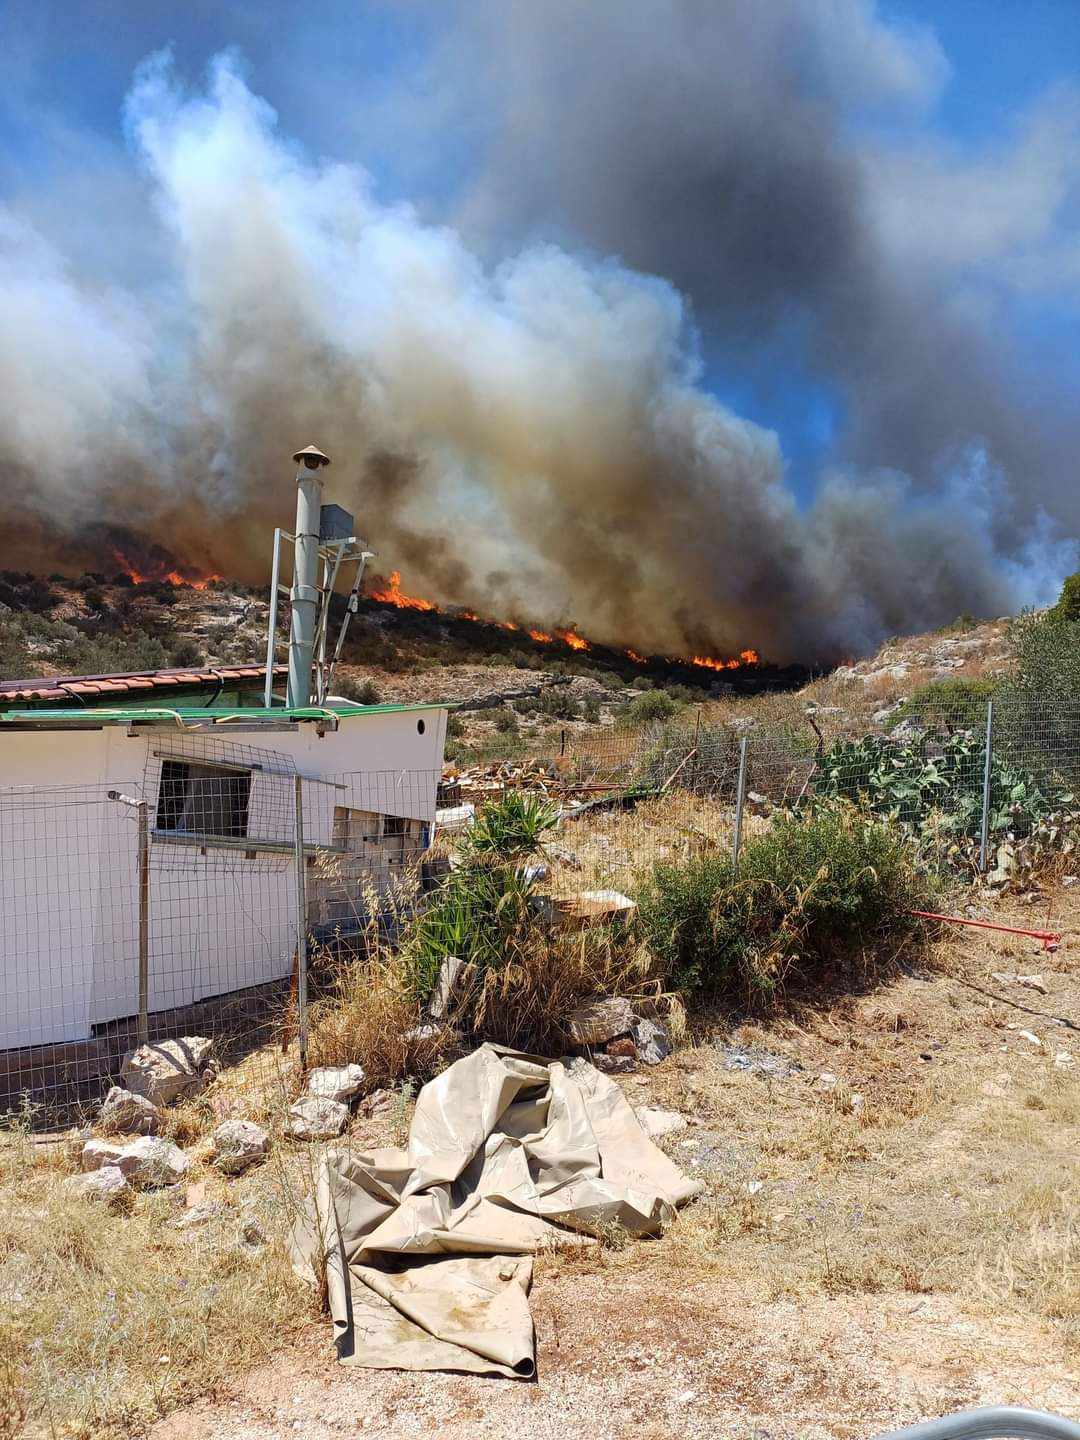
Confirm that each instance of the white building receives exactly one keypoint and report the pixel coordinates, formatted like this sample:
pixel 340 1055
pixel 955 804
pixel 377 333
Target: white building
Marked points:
pixel 218 888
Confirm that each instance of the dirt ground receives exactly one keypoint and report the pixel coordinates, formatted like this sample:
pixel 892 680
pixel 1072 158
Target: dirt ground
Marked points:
pixel 888 1232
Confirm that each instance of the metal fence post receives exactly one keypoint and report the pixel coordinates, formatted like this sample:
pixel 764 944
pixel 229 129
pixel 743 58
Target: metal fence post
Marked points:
pixel 984 834
pixel 143 1032
pixel 301 923
pixel 740 795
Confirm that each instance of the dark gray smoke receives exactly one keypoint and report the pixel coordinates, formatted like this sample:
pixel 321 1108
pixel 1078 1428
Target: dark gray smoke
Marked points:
pixel 530 436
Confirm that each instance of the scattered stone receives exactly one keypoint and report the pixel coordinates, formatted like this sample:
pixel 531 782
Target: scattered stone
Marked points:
pixel 827 1080
pixel 600 1020
pixel 758 1062
pixel 753 1187
pixel 652 1041
pixel 97 1154
pixel 1063 1060
pixel 623 1046
pixel 1030 1037
pixel 169 1070
pixel 336 1082
pixel 615 1064
pixel 1033 982
pixel 238 1144
pixel 856 1101
pixel 376 1105
pixel 314 1119
pixel 151 1162
pixel 422 1032
pixel 107 1183
pixel 125 1113
pixel 1071 880
pixel 198 1215
pixel 657 1123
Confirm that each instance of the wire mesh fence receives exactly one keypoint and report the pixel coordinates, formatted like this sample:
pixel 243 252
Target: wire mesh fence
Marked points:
pixel 214 889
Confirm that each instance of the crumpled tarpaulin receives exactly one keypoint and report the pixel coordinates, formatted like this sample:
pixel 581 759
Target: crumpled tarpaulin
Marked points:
pixel 428 1249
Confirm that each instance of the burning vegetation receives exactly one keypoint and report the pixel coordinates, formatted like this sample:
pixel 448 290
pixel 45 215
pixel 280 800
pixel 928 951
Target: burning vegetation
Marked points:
pixel 390 593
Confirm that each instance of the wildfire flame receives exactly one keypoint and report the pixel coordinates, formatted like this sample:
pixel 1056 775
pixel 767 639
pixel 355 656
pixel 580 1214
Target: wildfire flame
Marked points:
pixel 392 594
pixel 709 662
pixel 395 596
pixel 173 577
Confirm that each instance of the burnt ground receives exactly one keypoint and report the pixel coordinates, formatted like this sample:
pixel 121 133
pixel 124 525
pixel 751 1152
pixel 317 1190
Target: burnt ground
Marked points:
pixel 888 1233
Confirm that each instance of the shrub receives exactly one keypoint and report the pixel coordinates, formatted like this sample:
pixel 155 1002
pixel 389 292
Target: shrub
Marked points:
pixel 1068 605
pixel 455 726
pixel 506 722
pixel 646 709
pixel 186 652
pixel 939 779
pixel 364 692
pixel 590 710
pixel 520 978
pixel 809 895
pixel 947 703
pixel 558 703
pixel 510 829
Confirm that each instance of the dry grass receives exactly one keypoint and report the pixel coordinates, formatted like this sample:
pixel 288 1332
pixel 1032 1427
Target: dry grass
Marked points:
pixel 109 1318
pixel 366 1018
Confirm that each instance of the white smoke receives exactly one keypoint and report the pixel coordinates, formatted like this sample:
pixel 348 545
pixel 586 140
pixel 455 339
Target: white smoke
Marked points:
pixel 530 438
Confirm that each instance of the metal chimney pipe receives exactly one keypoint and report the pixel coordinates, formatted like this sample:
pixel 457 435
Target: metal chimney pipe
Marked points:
pixel 304 595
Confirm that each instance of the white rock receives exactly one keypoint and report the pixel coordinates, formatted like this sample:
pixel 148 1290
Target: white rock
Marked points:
pixel 656 1123
pixel 1063 1060
pixel 169 1070
pixel 106 1183
pixel 1030 1037
pixel 827 1080
pixel 336 1082
pixel 600 1020
pixel 652 1041
pixel 238 1144
pixel 125 1113
pixel 314 1119
pixel 1033 982
pixel 99 1153
pixel 150 1162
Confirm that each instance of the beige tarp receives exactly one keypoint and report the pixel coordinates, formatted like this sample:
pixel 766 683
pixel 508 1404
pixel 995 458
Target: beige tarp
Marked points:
pixel 428 1249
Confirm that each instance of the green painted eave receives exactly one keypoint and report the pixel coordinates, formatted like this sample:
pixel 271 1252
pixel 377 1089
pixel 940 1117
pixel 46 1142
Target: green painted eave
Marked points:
pixel 216 715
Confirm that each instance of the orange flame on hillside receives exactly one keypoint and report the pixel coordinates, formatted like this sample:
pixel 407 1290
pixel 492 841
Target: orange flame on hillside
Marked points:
pixel 395 596
pixel 573 639
pixel 171 577
pixel 392 594
pixel 709 662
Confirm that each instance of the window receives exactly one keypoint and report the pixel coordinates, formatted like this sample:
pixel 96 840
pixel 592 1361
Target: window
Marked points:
pixel 395 825
pixel 203 799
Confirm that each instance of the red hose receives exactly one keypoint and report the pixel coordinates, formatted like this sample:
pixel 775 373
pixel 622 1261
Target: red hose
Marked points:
pixel 1049 939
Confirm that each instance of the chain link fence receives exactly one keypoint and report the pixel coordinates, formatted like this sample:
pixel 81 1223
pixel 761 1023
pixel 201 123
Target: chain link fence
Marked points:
pixel 211 891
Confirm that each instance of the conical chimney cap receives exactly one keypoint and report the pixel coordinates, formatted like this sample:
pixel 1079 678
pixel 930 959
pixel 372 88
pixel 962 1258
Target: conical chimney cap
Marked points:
pixel 311 457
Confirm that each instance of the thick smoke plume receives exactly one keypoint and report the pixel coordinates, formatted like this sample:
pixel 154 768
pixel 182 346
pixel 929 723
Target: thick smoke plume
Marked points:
pixel 529 436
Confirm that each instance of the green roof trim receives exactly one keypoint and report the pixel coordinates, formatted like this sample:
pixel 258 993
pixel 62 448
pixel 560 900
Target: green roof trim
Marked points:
pixel 182 714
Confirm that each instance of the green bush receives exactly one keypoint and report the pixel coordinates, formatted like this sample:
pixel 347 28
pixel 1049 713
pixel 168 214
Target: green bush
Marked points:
pixel 810 895
pixel 558 703
pixel 938 779
pixel 1068 606
pixel 947 703
pixel 506 722
pixel 487 898
pixel 646 709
